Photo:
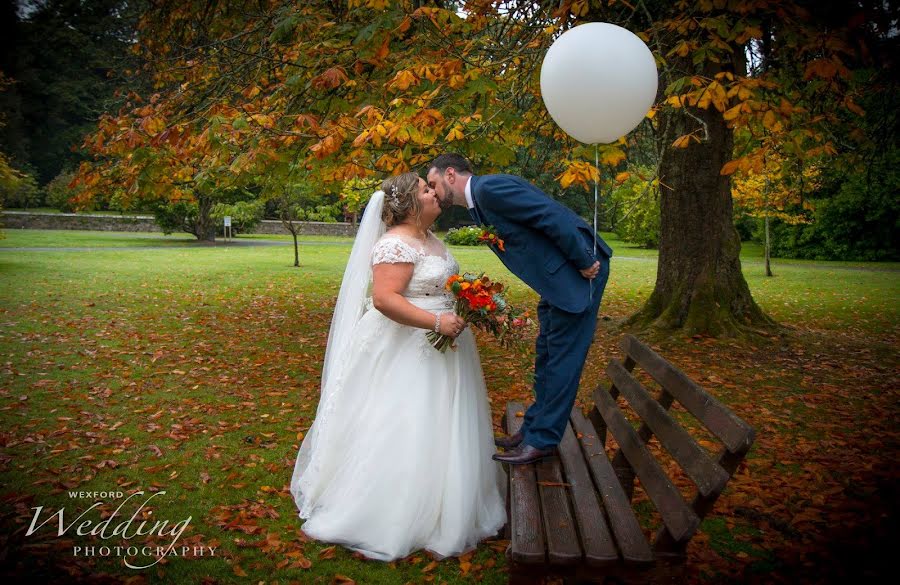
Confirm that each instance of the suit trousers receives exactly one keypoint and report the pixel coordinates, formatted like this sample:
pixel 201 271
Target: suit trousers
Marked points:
pixel 561 349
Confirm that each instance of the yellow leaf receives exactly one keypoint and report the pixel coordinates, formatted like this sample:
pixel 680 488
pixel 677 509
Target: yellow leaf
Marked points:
pixel 580 8
pixel 153 125
pixel 612 156
pixel 402 80
pixel 676 101
pixel 456 81
pixel 719 98
pixel 622 177
pixel 683 49
pixel 651 113
pixel 730 167
pixel 263 120
pixel 684 141
pixel 732 113
pixel 455 133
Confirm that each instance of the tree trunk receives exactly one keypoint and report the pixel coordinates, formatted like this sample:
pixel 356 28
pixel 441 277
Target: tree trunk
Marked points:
pixel 287 220
pixel 699 284
pixel 206 229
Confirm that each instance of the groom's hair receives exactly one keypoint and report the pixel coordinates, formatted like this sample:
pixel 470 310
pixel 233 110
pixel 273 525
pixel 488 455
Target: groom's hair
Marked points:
pixel 448 160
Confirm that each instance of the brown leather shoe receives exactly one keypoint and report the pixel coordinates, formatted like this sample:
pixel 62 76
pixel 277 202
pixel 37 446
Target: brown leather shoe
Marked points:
pixel 524 454
pixel 510 441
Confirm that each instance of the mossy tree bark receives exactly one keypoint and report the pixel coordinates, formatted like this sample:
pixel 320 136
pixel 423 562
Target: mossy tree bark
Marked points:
pixel 699 284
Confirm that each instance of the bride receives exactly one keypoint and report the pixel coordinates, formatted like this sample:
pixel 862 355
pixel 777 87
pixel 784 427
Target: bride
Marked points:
pixel 399 456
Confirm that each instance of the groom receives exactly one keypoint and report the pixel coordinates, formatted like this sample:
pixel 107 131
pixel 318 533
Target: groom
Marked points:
pixel 551 249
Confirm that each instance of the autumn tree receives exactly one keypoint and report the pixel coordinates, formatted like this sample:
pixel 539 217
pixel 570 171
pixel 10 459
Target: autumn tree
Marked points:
pixel 344 90
pixel 776 192
pixel 368 88
pixel 721 113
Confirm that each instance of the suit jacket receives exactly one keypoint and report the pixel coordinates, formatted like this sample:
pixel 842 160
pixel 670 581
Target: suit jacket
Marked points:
pixel 546 242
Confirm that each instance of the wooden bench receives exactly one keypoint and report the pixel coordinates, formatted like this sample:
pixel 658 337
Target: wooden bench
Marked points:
pixel 573 516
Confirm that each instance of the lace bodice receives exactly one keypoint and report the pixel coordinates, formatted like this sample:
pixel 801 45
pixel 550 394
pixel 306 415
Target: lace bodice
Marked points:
pixel 433 263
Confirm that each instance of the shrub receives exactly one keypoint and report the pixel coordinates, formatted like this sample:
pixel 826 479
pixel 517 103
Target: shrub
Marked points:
pixel 860 222
pixel 176 216
pixel 637 213
pixel 58 192
pixel 245 215
pixel 22 192
pixel 464 236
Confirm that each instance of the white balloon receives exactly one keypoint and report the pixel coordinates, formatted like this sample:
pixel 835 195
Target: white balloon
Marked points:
pixel 598 81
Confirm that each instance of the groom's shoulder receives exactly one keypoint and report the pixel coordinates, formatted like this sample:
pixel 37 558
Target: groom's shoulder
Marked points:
pixel 502 178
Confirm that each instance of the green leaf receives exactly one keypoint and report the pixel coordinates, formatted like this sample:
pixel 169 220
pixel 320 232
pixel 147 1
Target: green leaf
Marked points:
pixel 284 30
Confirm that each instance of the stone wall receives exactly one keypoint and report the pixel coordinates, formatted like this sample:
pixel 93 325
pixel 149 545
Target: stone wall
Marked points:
pixel 12 220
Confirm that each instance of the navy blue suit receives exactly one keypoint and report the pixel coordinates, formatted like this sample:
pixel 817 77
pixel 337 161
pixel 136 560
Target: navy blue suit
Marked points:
pixel 546 246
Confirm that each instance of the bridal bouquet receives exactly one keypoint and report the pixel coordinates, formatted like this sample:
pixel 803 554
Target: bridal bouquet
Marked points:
pixel 482 303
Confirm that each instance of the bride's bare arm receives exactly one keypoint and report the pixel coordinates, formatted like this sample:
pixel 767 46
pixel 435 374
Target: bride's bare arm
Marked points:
pixel 389 282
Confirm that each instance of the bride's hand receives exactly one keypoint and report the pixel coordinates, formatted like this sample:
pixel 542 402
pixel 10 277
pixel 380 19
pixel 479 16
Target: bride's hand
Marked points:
pixel 452 325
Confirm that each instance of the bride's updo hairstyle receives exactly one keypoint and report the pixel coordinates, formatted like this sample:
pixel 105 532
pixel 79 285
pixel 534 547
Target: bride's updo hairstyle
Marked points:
pixel 401 199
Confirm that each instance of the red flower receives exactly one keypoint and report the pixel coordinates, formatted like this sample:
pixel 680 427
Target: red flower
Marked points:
pixel 482 303
pixel 489 235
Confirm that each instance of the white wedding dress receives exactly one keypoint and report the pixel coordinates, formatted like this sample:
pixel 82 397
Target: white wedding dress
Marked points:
pixel 399 456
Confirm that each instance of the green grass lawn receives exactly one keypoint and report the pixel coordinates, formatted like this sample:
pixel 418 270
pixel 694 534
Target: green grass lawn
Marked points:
pixel 194 370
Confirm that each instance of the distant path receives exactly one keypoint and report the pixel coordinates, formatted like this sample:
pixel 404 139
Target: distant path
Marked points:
pixel 190 245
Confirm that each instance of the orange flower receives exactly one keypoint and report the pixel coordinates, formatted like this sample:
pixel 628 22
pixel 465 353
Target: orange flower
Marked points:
pixel 490 236
pixel 482 302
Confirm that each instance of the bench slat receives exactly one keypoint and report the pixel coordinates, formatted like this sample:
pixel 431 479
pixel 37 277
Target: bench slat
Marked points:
pixel 724 424
pixel 527 544
pixel 630 539
pixel 596 539
pixel 679 519
pixel 559 525
pixel 709 477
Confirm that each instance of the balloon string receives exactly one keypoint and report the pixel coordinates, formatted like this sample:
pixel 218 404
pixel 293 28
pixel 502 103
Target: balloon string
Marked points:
pixel 596 197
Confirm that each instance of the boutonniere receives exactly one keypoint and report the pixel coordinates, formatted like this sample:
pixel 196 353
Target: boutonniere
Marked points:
pixel 489 235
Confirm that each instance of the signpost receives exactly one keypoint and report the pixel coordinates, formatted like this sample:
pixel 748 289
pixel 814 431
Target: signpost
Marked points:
pixel 227 227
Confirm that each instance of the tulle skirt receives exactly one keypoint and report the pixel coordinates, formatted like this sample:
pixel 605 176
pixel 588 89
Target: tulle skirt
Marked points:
pixel 399 456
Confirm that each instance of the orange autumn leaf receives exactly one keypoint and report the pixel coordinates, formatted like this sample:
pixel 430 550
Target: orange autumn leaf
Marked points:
pixel 330 79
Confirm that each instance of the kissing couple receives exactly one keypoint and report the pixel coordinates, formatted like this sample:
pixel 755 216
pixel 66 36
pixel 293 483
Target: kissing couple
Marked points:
pixel 401 456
